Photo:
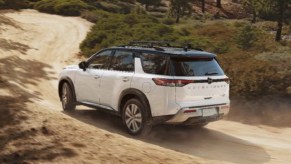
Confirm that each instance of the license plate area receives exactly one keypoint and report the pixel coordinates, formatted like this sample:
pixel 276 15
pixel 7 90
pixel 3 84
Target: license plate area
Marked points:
pixel 209 112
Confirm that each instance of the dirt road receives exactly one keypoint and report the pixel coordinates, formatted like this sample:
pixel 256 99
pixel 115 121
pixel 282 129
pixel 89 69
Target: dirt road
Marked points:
pixel 33 49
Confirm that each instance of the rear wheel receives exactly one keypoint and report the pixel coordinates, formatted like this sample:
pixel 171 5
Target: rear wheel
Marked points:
pixel 68 102
pixel 135 117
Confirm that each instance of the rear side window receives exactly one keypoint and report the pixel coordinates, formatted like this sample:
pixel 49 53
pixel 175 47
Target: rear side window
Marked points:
pixel 154 64
pixel 123 61
pixel 196 67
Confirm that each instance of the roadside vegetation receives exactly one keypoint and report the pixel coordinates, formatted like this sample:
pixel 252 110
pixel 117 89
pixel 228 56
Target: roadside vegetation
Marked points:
pixel 247 36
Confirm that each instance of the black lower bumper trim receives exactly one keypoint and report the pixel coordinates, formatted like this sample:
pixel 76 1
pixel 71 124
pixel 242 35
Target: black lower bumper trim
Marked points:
pixel 199 120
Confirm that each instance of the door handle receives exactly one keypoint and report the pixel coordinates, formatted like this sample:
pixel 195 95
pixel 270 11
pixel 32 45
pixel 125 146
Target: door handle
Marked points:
pixel 96 76
pixel 125 79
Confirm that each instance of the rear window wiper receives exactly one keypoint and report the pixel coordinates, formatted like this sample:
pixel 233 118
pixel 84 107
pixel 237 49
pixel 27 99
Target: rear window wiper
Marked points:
pixel 211 73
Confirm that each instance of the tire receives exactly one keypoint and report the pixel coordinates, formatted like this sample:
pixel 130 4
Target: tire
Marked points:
pixel 67 98
pixel 136 118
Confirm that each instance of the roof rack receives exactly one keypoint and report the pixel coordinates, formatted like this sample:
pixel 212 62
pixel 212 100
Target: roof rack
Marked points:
pixel 150 44
pixel 160 45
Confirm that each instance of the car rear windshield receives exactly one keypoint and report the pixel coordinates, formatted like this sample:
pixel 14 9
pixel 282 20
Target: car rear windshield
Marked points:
pixel 196 67
pixel 154 64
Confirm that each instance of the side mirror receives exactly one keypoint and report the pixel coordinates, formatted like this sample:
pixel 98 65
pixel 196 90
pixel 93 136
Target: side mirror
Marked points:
pixel 83 65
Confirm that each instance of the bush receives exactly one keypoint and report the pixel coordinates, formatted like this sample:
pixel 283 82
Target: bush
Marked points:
pixel 221 47
pixel 168 21
pixel 14 4
pixel 62 7
pixel 247 37
pixel 95 15
pixel 117 29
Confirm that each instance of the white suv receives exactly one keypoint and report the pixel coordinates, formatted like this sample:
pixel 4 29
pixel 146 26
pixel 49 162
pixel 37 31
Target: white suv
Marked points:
pixel 146 85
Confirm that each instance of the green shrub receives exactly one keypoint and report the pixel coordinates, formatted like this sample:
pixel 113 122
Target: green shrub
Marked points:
pixel 197 42
pixel 168 21
pixel 247 37
pixel 117 29
pixel 95 15
pixel 221 47
pixel 115 7
pixel 14 4
pixel 62 7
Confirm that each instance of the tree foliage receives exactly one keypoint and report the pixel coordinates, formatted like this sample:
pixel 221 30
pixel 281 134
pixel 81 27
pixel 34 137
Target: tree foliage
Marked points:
pixel 247 37
pixel 178 8
pixel 148 3
pixel 255 6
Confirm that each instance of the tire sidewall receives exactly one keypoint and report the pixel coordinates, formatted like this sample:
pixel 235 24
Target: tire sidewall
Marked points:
pixel 70 102
pixel 144 114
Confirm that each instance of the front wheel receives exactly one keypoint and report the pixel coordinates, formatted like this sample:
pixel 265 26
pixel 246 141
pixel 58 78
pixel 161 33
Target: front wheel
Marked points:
pixel 135 117
pixel 67 98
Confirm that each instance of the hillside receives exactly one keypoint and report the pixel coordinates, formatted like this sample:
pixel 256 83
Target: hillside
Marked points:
pixel 34 47
pixel 33 128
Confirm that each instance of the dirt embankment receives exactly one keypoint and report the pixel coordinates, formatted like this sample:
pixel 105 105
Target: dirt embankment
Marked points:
pixel 33 49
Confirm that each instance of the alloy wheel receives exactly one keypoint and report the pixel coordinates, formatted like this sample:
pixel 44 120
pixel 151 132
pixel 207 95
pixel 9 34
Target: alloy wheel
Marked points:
pixel 133 117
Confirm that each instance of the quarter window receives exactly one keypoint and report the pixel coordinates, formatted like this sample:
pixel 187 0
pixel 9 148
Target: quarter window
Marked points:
pixel 154 64
pixel 123 61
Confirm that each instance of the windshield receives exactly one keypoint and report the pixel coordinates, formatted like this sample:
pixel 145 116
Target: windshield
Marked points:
pixel 196 67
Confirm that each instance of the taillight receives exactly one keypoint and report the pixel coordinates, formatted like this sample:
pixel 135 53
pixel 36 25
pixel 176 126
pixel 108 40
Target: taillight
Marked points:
pixel 190 111
pixel 172 82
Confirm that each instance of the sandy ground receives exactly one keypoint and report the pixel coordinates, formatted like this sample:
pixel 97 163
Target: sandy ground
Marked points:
pixel 33 129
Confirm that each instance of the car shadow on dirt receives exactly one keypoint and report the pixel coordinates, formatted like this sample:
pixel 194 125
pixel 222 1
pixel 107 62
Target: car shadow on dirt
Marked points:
pixel 203 142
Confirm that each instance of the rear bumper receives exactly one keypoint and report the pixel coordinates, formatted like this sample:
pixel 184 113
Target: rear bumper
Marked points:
pixel 201 114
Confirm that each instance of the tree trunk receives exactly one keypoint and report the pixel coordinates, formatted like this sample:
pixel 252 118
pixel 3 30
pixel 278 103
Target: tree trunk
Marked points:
pixel 218 3
pixel 254 20
pixel 146 7
pixel 279 30
pixel 177 18
pixel 178 14
pixel 280 21
pixel 203 6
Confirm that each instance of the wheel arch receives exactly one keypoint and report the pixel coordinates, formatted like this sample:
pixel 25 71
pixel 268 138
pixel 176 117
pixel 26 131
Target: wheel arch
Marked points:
pixel 70 82
pixel 133 93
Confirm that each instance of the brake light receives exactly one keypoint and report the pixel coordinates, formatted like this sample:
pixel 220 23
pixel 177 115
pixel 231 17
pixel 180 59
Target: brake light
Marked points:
pixel 172 82
pixel 190 111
